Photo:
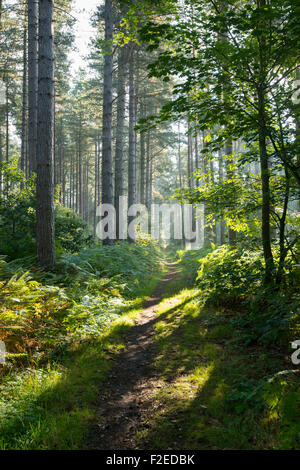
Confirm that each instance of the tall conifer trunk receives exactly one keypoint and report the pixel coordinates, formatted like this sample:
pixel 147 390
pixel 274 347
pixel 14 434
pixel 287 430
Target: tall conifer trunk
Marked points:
pixel 44 187
pixel 32 82
pixel 107 166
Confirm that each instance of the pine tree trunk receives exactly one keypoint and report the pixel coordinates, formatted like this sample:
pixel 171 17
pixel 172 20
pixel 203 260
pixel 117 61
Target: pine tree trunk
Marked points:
pixel 142 169
pixel 24 103
pixel 7 124
pixel 45 200
pixel 96 187
pixel 148 173
pixel 107 164
pixel 179 158
pixel 32 82
pixel 132 146
pixel 119 170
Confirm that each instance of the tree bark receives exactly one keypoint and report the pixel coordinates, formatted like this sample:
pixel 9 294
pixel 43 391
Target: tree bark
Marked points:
pixel 7 124
pixel 24 103
pixel 45 200
pixel 228 152
pixel 119 164
pixel 264 159
pixel 132 146
pixel 107 164
pixel 32 82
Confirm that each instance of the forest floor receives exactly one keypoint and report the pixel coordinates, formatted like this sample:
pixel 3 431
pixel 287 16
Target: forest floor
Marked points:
pixel 125 402
pixel 182 381
pixel 173 371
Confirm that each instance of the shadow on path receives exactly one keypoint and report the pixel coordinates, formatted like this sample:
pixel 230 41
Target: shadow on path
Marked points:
pixel 131 383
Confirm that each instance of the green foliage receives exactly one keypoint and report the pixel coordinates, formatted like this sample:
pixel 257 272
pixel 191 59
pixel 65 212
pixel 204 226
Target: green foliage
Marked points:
pixel 234 279
pixel 57 327
pixel 17 212
pixel 215 393
pixel 130 265
pixel 17 218
pixel 228 274
pixel 235 200
pixel 70 230
pixel 42 311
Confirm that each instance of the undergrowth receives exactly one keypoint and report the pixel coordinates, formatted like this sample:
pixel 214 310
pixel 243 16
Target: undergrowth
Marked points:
pixel 59 330
pixel 224 358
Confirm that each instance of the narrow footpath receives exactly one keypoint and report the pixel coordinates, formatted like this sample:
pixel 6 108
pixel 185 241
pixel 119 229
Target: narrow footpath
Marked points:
pixel 126 399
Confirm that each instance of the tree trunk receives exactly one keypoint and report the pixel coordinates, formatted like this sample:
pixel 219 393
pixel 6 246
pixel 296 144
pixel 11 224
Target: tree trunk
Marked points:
pixel 221 179
pixel 148 173
pixel 132 146
pixel 142 169
pixel 119 170
pixel 264 160
pixel 228 152
pixel 107 165
pixel 45 200
pixel 24 103
pixel 96 187
pixel 179 158
pixel 7 124
pixel 265 177
pixel 32 82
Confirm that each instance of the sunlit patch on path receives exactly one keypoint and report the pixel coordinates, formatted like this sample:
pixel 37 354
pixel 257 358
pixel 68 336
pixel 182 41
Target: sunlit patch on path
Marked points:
pixel 132 383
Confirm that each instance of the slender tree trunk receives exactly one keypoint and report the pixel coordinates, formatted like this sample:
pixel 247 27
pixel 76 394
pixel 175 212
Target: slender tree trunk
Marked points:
pixel 143 169
pixel 282 248
pixel 179 158
pixel 196 158
pixel 148 173
pixel 45 200
pixel 189 158
pixel 208 233
pixel 32 82
pixel 96 186
pixel 119 164
pixel 7 123
pixel 228 152
pixel 24 103
pixel 221 179
pixel 297 119
pixel 107 164
pixel 132 146
pixel 264 159
pixel 265 177
pixel 80 172
pixel 71 183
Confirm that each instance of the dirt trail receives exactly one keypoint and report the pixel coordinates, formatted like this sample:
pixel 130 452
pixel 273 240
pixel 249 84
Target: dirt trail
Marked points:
pixel 127 396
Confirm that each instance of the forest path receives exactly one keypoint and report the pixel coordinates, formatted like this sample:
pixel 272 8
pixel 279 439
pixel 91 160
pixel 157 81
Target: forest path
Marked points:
pixel 126 398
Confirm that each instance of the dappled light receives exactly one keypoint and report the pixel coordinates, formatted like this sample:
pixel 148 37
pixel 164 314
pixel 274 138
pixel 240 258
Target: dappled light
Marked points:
pixel 149 227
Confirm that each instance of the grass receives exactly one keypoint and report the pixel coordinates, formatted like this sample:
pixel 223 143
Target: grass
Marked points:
pixel 216 393
pixel 49 404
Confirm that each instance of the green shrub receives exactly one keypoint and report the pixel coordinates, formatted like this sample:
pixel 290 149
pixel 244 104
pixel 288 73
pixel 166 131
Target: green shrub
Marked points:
pixel 227 274
pixel 234 279
pixel 71 230
pixel 17 218
pixel 17 212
